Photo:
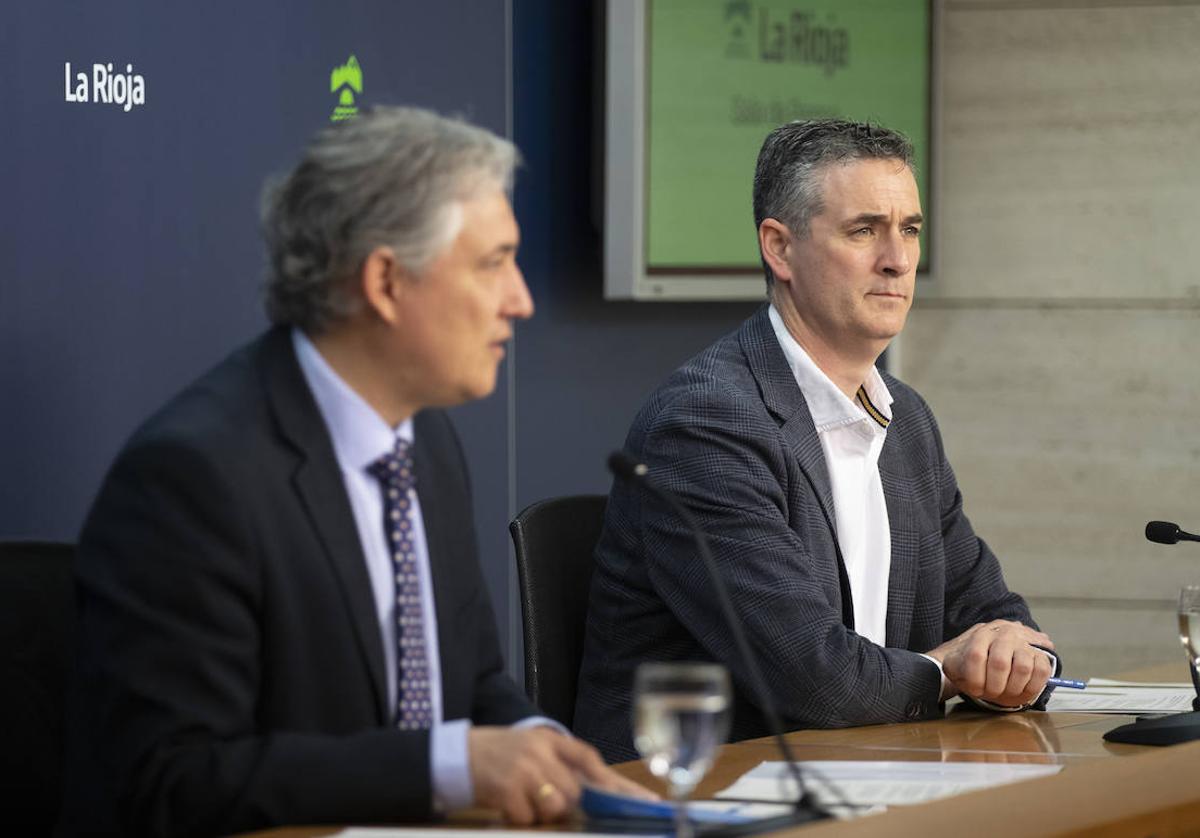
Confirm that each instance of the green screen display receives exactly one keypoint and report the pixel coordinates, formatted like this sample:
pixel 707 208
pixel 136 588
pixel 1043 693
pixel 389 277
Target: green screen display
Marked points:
pixel 722 74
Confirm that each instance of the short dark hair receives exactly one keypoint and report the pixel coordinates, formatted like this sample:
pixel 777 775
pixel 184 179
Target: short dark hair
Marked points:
pixel 787 175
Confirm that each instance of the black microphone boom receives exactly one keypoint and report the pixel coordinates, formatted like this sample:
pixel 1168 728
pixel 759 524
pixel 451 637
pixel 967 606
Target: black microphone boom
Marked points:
pixel 807 809
pixel 1164 532
pixel 1164 730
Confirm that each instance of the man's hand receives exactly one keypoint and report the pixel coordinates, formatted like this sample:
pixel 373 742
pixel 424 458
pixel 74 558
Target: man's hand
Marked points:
pixel 996 662
pixel 533 775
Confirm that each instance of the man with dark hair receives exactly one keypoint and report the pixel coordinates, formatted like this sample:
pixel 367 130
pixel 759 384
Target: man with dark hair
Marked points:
pixel 821 482
pixel 282 616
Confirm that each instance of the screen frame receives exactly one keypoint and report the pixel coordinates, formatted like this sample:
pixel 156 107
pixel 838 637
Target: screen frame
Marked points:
pixel 626 79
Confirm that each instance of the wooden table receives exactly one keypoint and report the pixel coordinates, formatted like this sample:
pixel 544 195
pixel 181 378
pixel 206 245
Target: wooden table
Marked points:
pixel 1144 791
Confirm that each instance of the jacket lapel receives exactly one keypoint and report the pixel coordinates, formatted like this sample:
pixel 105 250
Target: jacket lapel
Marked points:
pixel 430 477
pixel 783 398
pixel 902 523
pixel 319 488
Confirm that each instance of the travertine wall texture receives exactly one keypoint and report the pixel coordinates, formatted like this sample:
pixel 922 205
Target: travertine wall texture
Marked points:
pixel 1058 335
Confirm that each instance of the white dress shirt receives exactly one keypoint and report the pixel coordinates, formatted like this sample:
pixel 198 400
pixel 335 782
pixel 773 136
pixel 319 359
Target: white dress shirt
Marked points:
pixel 852 434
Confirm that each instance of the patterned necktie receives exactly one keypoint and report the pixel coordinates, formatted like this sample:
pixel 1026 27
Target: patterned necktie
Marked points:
pixel 395 472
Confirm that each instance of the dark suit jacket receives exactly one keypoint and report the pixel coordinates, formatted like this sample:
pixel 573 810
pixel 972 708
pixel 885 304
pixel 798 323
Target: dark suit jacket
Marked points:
pixel 231 667
pixel 731 435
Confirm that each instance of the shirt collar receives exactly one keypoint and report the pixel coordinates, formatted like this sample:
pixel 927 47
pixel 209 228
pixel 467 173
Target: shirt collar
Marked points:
pixel 360 435
pixel 828 405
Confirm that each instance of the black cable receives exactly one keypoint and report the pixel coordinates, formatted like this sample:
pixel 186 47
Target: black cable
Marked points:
pixel 624 466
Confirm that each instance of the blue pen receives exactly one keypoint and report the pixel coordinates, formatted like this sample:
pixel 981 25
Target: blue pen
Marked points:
pixel 1066 682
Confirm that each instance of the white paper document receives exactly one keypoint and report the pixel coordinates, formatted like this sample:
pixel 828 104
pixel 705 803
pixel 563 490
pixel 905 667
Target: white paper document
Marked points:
pixel 1166 685
pixel 1122 699
pixel 879 783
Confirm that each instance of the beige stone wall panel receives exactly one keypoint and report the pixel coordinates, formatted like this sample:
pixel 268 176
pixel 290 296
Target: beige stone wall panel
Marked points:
pixel 1068 430
pixel 1069 151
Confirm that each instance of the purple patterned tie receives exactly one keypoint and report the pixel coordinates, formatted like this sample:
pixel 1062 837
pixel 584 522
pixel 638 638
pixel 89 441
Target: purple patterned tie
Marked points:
pixel 395 472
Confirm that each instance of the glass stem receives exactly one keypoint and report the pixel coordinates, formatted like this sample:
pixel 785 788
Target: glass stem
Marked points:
pixel 683 825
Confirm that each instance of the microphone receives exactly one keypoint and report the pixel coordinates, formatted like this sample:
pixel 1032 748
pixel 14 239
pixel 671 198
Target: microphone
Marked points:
pixel 807 809
pixel 1164 532
pixel 1181 727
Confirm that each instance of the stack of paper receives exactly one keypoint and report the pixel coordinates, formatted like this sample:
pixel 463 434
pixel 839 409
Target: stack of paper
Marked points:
pixel 1106 696
pixel 874 783
pixel 1168 685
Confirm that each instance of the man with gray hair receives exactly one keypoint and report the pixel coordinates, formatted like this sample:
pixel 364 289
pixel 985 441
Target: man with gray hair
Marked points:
pixel 283 619
pixel 821 483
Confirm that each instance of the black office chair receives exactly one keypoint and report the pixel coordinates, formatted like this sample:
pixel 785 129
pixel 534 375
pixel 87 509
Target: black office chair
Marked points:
pixel 554 540
pixel 37 620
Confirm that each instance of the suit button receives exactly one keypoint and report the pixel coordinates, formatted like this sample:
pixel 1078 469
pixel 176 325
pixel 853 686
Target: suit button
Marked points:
pixel 915 710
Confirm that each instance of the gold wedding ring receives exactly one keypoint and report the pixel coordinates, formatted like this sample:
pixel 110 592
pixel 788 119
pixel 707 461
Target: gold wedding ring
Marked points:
pixel 545 790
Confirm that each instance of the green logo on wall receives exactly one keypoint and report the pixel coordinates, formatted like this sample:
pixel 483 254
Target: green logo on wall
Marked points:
pixel 346 81
pixel 737 21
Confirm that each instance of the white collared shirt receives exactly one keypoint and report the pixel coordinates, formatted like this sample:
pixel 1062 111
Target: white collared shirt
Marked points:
pixel 852 434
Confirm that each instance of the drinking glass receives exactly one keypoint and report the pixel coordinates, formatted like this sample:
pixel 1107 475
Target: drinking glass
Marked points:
pixel 681 715
pixel 1189 632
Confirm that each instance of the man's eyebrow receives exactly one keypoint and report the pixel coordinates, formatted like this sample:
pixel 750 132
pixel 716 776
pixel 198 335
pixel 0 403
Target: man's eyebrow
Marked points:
pixel 867 218
pixel 880 218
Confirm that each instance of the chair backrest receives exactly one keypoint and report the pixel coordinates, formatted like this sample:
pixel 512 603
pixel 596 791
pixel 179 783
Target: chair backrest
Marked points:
pixel 37 627
pixel 554 540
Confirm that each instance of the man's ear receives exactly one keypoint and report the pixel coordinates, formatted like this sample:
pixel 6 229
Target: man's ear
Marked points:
pixel 774 239
pixel 383 280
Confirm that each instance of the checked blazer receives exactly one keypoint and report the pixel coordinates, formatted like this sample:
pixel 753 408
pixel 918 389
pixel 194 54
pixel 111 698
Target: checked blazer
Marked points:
pixel 730 434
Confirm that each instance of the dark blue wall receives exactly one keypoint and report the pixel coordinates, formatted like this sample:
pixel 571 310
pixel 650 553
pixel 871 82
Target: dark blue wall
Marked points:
pixel 129 253
pixel 130 259
pixel 584 365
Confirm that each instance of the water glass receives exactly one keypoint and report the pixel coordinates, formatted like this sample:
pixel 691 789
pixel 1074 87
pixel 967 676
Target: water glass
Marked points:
pixel 1189 632
pixel 681 716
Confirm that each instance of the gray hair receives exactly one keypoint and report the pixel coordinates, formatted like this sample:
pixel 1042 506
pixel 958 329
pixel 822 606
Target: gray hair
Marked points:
pixel 391 177
pixel 787 183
